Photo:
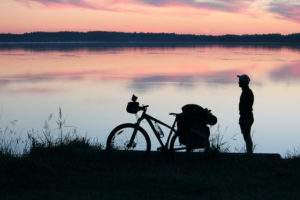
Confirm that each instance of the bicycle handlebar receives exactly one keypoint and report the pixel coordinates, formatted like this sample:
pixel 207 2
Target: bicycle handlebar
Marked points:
pixel 144 107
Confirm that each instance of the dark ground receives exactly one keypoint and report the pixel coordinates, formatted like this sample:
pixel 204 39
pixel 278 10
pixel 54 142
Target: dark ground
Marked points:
pixel 98 175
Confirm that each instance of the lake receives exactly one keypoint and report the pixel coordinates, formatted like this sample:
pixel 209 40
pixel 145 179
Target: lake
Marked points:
pixel 92 85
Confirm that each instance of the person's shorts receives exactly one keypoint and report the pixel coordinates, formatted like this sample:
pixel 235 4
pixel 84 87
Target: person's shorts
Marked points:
pixel 245 124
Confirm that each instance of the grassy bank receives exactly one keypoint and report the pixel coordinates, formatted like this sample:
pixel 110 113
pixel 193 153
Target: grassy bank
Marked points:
pixel 86 173
pixel 58 164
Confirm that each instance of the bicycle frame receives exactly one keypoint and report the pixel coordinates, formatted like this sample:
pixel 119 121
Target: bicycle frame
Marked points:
pixel 150 120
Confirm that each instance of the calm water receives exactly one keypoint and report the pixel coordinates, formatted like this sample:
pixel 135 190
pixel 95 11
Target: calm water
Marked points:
pixel 93 86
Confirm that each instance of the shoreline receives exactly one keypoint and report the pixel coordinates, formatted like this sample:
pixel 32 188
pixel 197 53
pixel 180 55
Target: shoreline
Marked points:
pixel 151 43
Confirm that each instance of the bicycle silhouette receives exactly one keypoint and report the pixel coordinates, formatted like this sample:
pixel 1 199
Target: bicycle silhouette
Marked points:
pixel 132 137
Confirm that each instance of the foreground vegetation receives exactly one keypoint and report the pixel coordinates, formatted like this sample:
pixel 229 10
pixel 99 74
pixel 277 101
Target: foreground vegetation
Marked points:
pixel 73 167
pixel 86 173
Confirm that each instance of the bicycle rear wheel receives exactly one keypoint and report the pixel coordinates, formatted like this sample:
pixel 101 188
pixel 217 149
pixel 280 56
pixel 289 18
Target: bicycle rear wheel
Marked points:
pixel 120 136
pixel 176 146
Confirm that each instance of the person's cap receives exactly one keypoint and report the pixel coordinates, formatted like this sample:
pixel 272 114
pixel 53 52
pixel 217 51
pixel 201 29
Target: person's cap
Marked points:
pixel 244 78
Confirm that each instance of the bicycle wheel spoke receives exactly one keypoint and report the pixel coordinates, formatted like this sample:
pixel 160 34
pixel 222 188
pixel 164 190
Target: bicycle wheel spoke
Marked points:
pixel 120 139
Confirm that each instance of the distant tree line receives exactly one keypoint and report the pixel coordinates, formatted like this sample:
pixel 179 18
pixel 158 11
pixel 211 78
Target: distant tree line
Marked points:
pixel 104 36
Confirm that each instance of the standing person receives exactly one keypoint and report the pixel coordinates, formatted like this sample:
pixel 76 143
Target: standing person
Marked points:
pixel 245 108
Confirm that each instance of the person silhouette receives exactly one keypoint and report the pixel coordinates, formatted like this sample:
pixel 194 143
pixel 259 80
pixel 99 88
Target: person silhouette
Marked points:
pixel 245 107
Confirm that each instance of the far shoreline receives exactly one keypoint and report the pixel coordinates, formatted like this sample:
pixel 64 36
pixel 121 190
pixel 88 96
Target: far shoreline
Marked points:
pixel 152 42
pixel 141 44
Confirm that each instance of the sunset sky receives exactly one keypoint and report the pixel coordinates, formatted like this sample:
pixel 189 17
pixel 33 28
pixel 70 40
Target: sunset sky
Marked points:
pixel 214 17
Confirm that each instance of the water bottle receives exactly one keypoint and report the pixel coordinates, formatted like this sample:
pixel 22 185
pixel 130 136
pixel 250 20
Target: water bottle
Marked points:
pixel 159 131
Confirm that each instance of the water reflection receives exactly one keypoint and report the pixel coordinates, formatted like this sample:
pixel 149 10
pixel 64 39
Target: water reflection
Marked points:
pixel 146 46
pixel 183 81
pixel 93 83
pixel 287 72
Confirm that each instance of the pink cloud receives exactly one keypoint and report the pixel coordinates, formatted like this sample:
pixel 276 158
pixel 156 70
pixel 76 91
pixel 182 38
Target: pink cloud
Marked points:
pixel 286 10
pixel 138 6
pixel 60 3
pixel 222 5
pixel 31 91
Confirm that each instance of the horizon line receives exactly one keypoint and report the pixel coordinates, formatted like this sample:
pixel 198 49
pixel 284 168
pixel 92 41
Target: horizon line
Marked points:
pixel 67 31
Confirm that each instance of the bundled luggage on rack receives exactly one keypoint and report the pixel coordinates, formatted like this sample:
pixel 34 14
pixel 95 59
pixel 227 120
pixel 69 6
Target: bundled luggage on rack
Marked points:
pixel 192 126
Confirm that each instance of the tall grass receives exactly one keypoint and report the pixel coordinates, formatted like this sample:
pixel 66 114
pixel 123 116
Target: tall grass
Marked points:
pixel 58 138
pixel 220 144
pixel 293 154
pixel 62 137
pixel 11 144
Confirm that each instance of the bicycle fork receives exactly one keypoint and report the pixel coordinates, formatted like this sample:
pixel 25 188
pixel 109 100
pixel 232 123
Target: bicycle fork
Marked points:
pixel 131 141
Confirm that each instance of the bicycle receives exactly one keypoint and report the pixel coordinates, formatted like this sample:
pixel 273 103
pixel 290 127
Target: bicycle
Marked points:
pixel 129 136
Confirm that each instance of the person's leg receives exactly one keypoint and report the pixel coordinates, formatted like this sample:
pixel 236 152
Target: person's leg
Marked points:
pixel 245 125
pixel 249 143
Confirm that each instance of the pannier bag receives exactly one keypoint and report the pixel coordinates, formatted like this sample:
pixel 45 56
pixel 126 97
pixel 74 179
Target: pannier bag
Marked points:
pixel 192 125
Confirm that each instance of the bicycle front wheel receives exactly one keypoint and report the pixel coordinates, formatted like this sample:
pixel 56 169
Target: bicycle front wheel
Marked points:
pixel 120 136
